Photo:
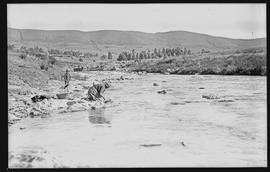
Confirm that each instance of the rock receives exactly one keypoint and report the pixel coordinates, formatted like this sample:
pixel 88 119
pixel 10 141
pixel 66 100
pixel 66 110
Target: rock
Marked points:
pixel 63 111
pixel 70 103
pixel 54 97
pixel 80 101
pixel 39 98
pixel 176 103
pixel 155 84
pixel 107 101
pixel 150 145
pixel 210 97
pixel 201 88
pixel 225 101
pixel 188 101
pixel 162 92
pixel 22 128
pixel 85 87
pixel 122 77
pixel 183 144
pixel 35 112
pixel 76 108
pixel 12 117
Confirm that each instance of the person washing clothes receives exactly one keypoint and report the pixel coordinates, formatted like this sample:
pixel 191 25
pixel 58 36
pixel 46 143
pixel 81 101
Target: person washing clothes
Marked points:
pixel 95 92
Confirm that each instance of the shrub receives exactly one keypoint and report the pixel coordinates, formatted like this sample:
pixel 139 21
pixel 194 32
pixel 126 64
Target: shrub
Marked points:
pixel 11 47
pixel 52 60
pixel 43 67
pixel 22 56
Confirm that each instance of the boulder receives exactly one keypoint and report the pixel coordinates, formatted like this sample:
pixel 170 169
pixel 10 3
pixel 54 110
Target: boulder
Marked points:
pixel 162 92
pixel 155 84
pixel 71 103
pixel 39 98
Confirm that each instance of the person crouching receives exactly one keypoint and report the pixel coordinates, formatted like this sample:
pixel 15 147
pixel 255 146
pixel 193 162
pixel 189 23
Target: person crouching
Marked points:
pixel 95 92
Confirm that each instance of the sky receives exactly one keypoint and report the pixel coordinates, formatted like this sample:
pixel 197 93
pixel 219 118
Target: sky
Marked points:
pixel 244 21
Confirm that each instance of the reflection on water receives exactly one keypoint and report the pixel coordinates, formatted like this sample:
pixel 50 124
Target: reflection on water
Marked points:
pixel 97 116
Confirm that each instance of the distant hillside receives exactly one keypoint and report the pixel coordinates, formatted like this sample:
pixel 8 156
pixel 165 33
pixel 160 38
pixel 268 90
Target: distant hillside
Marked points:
pixel 193 41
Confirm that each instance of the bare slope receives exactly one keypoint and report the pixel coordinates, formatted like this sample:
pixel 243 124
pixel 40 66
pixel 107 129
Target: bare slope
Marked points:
pixel 194 41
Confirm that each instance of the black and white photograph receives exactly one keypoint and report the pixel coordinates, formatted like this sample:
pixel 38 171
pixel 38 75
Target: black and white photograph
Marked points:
pixel 103 85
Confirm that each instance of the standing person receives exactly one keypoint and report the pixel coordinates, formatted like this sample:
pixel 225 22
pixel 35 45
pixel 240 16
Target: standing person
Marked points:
pixel 67 78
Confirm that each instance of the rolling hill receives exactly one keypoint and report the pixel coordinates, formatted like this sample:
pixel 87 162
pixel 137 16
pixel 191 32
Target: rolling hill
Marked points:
pixel 116 40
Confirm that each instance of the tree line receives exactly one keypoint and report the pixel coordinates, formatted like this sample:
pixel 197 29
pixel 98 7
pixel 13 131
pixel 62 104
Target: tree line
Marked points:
pixel 71 53
pixel 156 53
pixel 38 51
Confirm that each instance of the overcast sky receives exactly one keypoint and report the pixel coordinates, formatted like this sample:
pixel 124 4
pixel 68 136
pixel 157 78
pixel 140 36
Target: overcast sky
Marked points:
pixel 246 21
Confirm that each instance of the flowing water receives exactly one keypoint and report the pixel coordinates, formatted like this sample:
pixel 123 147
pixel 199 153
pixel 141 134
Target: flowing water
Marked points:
pixel 142 128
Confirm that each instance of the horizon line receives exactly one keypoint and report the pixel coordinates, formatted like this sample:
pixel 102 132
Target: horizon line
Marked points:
pixel 141 32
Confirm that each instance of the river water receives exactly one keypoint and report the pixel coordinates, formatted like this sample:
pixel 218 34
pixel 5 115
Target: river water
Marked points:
pixel 142 128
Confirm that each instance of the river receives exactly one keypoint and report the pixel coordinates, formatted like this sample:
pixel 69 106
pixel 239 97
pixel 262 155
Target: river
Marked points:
pixel 142 128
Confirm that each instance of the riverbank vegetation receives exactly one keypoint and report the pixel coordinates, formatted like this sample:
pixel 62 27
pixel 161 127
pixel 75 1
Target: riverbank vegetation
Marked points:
pixel 251 61
pixel 235 64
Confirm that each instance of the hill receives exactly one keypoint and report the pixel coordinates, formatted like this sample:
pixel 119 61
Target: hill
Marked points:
pixel 113 40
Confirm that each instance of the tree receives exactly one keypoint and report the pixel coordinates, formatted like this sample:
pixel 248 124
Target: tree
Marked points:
pixel 155 51
pixel 109 55
pixel 129 56
pixel 159 53
pixel 133 54
pixel 137 55
pixel 202 51
pixel 121 57
pixel 141 55
pixel 173 52
pixel 152 55
pixel 148 54
pixel 163 51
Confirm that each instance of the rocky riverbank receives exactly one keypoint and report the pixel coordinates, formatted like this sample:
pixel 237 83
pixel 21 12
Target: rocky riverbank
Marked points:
pixel 20 104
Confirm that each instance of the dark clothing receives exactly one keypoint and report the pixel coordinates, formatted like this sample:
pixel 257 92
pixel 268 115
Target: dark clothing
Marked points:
pixel 67 78
pixel 96 90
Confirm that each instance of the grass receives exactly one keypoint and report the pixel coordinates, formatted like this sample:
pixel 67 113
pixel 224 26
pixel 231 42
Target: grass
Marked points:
pixel 240 64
